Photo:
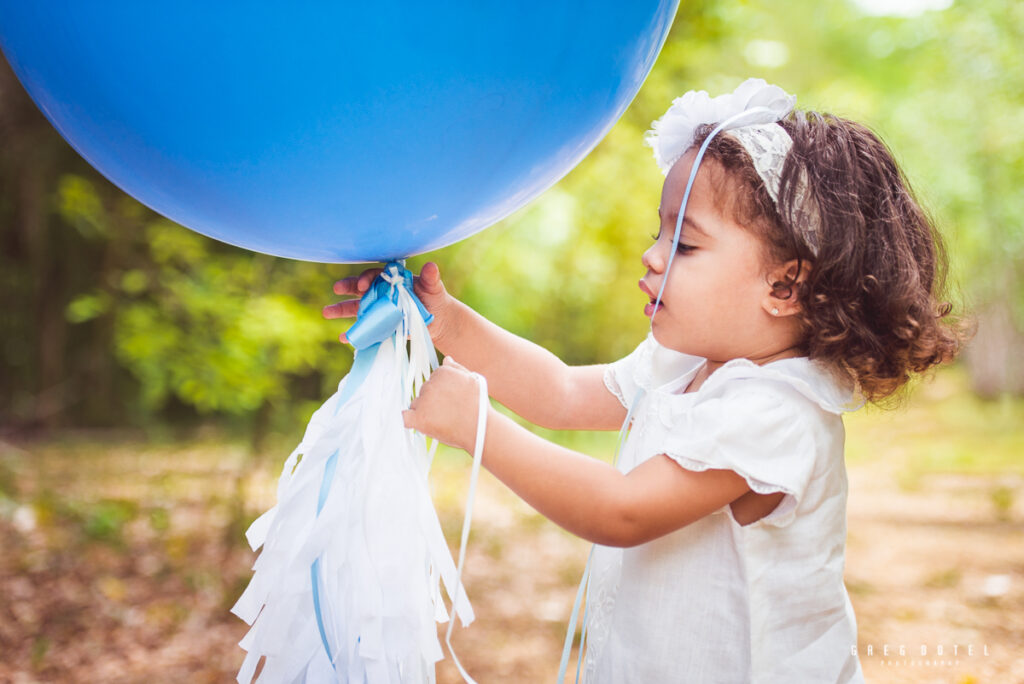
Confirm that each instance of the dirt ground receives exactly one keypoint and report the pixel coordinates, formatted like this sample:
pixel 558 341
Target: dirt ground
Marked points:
pixel 119 564
pixel 941 565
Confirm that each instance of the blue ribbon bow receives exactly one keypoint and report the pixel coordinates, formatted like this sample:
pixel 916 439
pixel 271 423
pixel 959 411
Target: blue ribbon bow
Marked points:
pixel 379 316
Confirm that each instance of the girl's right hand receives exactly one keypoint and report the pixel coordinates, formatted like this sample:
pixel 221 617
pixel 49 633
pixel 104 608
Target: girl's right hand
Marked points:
pixel 427 286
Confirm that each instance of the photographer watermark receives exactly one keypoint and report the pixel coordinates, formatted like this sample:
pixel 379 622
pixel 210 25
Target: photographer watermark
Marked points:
pixel 918 655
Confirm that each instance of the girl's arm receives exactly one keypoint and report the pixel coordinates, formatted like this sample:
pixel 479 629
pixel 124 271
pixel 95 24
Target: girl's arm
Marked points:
pixel 525 377
pixel 528 379
pixel 592 499
pixel 587 497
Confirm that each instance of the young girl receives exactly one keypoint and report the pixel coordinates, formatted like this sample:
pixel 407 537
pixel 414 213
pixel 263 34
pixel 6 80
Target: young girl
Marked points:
pixel 805 282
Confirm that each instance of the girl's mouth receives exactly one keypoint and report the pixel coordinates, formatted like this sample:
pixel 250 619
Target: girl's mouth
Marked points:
pixel 649 309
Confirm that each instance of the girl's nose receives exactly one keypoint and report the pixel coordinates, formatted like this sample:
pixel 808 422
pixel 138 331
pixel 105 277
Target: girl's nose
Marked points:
pixel 653 259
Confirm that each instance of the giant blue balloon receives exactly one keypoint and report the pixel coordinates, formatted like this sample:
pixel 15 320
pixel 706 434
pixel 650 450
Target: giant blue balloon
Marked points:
pixel 334 131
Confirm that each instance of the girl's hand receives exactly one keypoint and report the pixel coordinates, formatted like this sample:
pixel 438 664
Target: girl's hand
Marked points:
pixel 427 286
pixel 446 407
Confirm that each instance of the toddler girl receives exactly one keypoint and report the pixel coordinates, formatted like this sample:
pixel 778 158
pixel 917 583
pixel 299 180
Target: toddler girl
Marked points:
pixel 805 283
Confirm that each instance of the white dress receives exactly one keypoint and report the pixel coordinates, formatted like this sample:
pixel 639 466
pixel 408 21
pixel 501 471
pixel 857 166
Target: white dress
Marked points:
pixel 717 601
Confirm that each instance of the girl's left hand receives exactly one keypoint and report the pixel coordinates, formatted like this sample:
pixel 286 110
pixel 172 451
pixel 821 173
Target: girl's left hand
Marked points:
pixel 446 407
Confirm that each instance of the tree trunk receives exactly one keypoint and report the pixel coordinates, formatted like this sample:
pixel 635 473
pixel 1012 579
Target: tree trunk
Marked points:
pixel 995 357
pixel 50 325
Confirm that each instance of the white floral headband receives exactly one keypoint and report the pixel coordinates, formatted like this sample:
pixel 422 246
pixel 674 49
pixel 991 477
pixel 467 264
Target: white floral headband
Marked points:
pixel 750 115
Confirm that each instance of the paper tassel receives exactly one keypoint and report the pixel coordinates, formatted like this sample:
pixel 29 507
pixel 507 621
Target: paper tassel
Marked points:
pixel 354 510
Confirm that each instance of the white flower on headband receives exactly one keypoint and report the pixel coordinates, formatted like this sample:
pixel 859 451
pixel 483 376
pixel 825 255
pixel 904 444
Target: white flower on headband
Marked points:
pixel 672 134
pixel 767 143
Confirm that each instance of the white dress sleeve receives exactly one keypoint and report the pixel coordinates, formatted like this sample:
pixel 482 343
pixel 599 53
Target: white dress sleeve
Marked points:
pixel 760 430
pixel 623 377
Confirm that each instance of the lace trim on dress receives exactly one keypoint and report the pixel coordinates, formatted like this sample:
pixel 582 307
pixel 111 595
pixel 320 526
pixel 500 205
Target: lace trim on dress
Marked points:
pixel 783 513
pixel 613 386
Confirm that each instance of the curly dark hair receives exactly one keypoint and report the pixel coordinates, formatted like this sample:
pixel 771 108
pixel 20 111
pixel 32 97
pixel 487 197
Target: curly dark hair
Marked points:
pixel 871 300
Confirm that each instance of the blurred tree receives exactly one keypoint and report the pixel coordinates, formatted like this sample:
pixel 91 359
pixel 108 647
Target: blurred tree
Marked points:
pixel 98 291
pixel 38 261
pixel 212 326
pixel 111 312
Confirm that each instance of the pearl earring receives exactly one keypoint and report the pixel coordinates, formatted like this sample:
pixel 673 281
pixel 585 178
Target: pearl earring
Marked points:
pixel 775 311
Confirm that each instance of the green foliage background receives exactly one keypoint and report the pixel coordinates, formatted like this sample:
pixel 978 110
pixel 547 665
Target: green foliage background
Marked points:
pixel 113 315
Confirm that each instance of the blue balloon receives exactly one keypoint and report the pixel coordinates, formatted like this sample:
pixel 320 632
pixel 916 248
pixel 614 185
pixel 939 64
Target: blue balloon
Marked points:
pixel 333 131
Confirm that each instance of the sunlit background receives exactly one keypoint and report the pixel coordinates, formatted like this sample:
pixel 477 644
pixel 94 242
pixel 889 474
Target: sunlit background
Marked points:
pixel 154 380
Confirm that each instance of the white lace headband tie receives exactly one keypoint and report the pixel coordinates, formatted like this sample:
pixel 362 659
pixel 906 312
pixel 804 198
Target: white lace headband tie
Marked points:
pixel 761 136
pixel 767 145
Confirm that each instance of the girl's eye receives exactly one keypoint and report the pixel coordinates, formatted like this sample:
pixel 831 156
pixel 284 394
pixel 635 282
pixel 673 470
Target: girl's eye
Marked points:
pixel 681 247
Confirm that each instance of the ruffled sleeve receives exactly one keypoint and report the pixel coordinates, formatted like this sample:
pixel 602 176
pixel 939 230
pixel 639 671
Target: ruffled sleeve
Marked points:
pixel 622 377
pixel 761 430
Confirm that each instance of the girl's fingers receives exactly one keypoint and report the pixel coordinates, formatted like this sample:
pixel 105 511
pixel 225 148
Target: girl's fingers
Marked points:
pixel 353 285
pixel 428 282
pixel 430 275
pixel 429 279
pixel 346 285
pixel 346 309
pixel 357 285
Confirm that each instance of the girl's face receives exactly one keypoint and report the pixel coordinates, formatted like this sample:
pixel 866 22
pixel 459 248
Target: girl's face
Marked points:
pixel 717 301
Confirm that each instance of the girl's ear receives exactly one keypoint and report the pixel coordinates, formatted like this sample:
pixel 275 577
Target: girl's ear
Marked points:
pixel 781 299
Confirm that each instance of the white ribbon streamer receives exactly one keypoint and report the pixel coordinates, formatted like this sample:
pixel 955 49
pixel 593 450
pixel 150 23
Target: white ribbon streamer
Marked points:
pixel 478 453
